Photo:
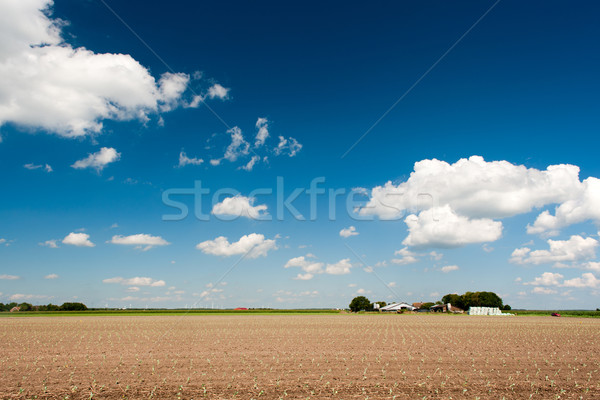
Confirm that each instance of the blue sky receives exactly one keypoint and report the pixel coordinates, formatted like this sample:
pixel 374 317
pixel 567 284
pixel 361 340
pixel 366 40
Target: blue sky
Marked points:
pixel 483 176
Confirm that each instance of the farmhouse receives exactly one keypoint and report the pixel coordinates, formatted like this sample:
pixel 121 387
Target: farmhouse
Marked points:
pixel 394 307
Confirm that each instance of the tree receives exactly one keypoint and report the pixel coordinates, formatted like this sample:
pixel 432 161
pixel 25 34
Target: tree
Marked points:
pixel 25 307
pixel 506 307
pixel 427 306
pixel 381 303
pixel 360 303
pixel 73 307
pixel 453 299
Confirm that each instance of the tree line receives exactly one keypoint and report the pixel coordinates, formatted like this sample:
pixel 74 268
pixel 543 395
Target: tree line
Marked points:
pixel 48 307
pixel 475 299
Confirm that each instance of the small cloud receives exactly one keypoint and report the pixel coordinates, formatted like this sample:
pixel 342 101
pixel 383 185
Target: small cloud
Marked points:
pixel 185 160
pixel 50 243
pixel 98 160
pixel 9 277
pixel 253 245
pixel 31 166
pixel 250 164
pixel 20 296
pixel 289 146
pixel 262 126
pixel 347 232
pixel 239 206
pixel 114 226
pixel 78 239
pixel 449 268
pixel 141 240
pixel 352 285
pixel 136 281
pixel 392 284
pixel 436 256
pixel 218 91
pixel 543 290
pixel 487 248
pixel 51 276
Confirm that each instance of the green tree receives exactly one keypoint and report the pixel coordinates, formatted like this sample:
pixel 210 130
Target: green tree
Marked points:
pixel 427 306
pixel 454 299
pixel 73 307
pixel 360 303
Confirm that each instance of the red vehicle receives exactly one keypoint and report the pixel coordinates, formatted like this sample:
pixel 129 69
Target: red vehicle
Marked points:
pixel 555 314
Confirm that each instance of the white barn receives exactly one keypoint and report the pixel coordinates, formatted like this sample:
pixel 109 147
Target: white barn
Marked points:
pixel 397 307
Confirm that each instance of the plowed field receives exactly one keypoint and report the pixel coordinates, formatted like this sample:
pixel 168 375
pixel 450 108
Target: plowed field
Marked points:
pixel 300 356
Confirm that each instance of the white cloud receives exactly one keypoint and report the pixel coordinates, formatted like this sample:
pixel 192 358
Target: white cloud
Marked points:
pixel 51 276
pixel 450 268
pixel 30 166
pixel 312 268
pixel 487 248
pixel 289 146
pixel 587 280
pixel 352 285
pixel 341 267
pixel 78 239
pixel 407 257
pixel 136 281
pixel 9 277
pixel 436 256
pixel 98 160
pixel 547 279
pixel 582 206
pixel 215 162
pixel 238 146
pixel 392 284
pixel 474 188
pixel 185 160
pixel 21 296
pixel 304 277
pixel 50 243
pixel 251 163
pixel 543 290
pixel 262 125
pixel 48 84
pixel 133 289
pixel 218 91
pixel 574 249
pixel 253 245
pixel 240 206
pixel 442 227
pixel 142 240
pixel 347 232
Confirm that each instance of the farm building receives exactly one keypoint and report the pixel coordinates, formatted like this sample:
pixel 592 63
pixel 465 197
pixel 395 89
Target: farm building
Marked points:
pixel 394 307
pixel 447 308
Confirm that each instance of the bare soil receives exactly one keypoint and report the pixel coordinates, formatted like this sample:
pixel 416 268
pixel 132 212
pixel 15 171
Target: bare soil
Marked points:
pixel 300 356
